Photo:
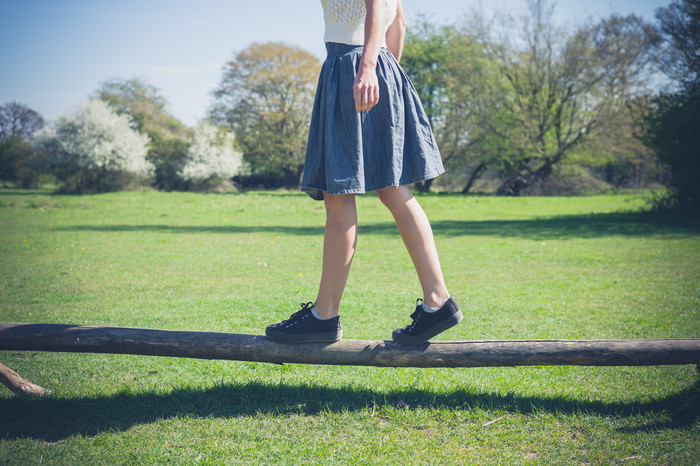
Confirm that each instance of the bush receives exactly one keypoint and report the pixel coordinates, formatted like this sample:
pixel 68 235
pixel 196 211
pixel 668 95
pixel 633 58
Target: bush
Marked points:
pixel 261 180
pixel 210 158
pixel 20 163
pixel 569 180
pixel 95 150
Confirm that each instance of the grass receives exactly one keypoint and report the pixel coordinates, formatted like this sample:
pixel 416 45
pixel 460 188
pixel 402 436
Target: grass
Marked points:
pixel 583 267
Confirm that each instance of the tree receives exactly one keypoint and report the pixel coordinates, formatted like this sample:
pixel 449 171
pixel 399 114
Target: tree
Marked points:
pixel 522 97
pixel 449 69
pixel 425 52
pixel 616 152
pixel 680 25
pixel 95 150
pixel 266 96
pixel 149 114
pixel 561 89
pixel 674 136
pixel 19 120
pixel 19 162
pixel 673 124
pixel 210 157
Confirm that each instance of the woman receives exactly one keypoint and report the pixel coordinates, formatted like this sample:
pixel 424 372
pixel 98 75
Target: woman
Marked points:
pixel 368 132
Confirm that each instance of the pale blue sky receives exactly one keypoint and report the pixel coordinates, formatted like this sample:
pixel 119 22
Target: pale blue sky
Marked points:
pixel 55 53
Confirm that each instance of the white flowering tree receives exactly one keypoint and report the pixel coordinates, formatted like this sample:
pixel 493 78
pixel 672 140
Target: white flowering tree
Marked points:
pixel 92 149
pixel 210 157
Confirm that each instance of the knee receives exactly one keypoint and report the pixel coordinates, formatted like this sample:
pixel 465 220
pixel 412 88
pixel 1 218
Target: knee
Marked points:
pixel 394 196
pixel 339 204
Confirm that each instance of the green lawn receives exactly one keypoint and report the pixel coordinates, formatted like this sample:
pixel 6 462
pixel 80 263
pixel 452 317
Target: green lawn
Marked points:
pixel 582 267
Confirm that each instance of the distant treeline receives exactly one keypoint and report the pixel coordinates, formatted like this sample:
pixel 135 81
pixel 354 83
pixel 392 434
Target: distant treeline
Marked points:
pixel 518 106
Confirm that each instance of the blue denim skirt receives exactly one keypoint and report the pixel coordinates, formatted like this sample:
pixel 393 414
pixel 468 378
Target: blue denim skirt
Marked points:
pixel 390 145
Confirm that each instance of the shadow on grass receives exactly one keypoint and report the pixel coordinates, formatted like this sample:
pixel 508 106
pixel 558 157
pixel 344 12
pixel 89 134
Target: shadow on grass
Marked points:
pixel 52 419
pixel 561 227
pixel 24 192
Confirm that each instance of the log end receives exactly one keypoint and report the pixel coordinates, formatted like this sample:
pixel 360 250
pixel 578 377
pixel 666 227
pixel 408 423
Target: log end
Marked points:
pixel 19 385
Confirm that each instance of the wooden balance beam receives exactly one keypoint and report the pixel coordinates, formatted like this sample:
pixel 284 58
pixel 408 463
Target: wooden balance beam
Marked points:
pixel 257 348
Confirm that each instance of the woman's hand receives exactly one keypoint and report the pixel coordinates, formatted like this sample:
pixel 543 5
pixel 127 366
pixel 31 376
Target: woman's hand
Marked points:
pixel 365 89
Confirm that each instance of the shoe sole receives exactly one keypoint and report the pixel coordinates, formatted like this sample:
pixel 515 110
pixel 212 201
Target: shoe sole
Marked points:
pixel 446 324
pixel 318 337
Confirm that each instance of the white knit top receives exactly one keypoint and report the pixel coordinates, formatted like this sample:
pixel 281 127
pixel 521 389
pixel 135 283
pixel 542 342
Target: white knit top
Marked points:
pixel 345 20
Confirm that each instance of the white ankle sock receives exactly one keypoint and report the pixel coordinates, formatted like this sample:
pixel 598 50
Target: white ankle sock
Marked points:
pixel 427 308
pixel 316 314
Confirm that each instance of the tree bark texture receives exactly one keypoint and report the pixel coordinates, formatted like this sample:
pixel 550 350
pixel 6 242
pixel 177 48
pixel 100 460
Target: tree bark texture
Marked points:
pixel 241 347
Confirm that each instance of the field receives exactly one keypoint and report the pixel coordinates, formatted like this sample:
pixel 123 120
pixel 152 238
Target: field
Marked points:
pixel 581 267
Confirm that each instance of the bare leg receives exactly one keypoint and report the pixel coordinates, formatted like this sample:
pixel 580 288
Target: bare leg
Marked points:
pixel 418 237
pixel 339 242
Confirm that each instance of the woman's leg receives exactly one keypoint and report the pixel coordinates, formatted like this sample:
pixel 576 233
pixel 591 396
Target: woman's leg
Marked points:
pixel 339 242
pixel 418 237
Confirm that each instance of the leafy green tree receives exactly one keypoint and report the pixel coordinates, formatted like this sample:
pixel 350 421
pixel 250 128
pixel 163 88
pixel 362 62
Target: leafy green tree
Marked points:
pixel 673 124
pixel 616 153
pixel 266 97
pixel 450 69
pixel 680 25
pixel 521 96
pixel 674 135
pixel 562 88
pixel 149 114
pixel 19 162
pixel 425 53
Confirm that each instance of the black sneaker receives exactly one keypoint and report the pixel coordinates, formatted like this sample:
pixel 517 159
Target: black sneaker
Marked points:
pixel 304 327
pixel 428 324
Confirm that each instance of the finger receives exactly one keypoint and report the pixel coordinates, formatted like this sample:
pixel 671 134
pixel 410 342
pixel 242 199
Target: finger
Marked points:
pixel 370 98
pixel 375 96
pixel 358 99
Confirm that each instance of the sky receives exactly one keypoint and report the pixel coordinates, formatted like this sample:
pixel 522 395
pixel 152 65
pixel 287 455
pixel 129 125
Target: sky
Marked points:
pixel 56 53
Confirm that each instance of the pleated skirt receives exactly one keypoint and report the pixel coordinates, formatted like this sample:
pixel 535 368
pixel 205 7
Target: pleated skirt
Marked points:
pixel 349 152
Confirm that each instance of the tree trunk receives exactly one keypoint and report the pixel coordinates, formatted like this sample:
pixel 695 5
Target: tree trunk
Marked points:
pixel 523 181
pixel 424 186
pixel 474 176
pixel 231 346
pixel 513 185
